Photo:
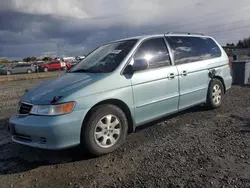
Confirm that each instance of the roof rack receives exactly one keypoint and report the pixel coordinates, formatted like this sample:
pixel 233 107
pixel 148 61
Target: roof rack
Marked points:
pixel 188 33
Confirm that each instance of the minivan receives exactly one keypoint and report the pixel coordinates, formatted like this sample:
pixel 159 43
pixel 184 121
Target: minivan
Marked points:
pixel 19 68
pixel 120 86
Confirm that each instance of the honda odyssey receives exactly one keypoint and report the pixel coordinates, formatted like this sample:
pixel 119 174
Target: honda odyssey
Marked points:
pixel 119 86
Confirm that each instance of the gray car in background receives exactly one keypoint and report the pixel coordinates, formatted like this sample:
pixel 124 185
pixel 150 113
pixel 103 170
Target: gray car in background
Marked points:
pixel 19 68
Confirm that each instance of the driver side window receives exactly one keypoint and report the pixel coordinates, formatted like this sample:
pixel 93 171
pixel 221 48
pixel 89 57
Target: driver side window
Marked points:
pixel 155 52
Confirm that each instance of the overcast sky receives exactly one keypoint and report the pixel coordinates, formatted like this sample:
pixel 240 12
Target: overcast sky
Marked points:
pixel 74 27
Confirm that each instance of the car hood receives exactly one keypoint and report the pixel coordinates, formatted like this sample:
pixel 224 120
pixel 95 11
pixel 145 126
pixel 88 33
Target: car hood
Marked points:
pixel 63 86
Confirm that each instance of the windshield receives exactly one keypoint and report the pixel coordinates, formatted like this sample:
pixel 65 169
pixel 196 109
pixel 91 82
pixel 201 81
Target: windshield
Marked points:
pixel 106 58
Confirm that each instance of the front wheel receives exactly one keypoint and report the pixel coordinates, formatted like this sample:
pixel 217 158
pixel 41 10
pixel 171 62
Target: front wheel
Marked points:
pixel 105 131
pixel 215 94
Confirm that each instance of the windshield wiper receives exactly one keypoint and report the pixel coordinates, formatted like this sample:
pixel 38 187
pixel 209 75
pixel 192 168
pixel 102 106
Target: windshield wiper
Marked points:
pixel 89 71
pixel 80 70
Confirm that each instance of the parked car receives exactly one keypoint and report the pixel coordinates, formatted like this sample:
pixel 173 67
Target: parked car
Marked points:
pixel 54 65
pixel 75 62
pixel 38 64
pixel 2 69
pixel 18 68
pixel 120 86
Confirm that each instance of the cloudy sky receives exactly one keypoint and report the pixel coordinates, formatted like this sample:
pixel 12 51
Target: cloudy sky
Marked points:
pixel 74 27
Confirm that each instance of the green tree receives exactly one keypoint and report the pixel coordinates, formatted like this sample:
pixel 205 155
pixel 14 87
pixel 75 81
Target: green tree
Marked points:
pixel 33 58
pixel 27 59
pixel 47 59
pixel 245 43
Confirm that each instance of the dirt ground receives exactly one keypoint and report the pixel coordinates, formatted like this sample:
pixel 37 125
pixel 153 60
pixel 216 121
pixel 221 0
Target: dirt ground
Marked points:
pixel 195 148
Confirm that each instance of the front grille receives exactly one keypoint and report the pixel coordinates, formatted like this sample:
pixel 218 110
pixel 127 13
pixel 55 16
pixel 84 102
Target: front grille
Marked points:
pixel 24 108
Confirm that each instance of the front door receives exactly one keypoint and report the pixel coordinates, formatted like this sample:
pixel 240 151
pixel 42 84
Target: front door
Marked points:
pixel 55 65
pixel 155 89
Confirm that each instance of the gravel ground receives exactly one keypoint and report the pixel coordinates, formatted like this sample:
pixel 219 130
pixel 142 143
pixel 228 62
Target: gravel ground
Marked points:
pixel 195 148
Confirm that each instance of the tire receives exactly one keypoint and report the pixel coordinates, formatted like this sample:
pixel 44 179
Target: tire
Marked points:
pixel 45 69
pixel 97 138
pixel 29 71
pixel 215 94
pixel 9 73
pixel 65 68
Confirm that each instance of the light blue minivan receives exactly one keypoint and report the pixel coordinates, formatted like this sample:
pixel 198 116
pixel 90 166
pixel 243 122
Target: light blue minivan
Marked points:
pixel 120 86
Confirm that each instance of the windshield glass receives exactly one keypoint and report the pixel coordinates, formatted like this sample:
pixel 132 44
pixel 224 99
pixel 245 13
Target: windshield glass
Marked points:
pixel 106 58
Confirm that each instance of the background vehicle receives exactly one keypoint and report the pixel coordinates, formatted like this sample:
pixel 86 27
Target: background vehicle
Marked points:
pixel 75 62
pixel 122 85
pixel 19 68
pixel 38 64
pixel 54 65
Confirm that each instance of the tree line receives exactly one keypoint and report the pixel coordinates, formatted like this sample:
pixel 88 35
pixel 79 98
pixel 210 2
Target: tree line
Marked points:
pixel 32 59
pixel 26 59
pixel 244 43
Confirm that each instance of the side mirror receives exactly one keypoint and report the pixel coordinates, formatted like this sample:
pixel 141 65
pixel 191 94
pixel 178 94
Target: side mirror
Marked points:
pixel 129 70
pixel 140 64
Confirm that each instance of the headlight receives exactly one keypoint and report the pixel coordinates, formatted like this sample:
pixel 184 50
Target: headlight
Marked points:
pixel 50 110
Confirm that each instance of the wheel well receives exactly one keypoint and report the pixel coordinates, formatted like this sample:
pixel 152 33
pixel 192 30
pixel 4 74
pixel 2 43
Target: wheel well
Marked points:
pixel 222 81
pixel 119 104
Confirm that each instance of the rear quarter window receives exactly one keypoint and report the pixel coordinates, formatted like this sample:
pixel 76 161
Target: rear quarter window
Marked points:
pixel 193 49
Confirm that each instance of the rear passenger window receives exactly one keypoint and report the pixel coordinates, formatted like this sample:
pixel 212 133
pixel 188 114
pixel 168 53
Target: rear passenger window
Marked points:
pixel 155 52
pixel 192 49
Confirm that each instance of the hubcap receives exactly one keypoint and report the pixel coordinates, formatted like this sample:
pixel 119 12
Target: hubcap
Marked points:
pixel 216 94
pixel 107 131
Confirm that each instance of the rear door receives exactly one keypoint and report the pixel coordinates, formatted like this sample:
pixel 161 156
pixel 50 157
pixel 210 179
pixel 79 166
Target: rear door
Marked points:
pixel 192 56
pixel 155 89
pixel 24 68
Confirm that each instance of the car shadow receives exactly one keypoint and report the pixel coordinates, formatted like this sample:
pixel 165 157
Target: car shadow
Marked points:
pixel 201 108
pixel 16 158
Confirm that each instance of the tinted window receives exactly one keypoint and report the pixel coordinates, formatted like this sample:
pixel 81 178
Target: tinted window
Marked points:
pixel 155 52
pixel 192 49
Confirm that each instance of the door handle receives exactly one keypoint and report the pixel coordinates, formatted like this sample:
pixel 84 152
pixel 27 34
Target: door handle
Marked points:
pixel 184 73
pixel 171 76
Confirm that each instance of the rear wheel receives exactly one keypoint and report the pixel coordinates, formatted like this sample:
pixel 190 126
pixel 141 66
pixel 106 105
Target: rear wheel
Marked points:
pixel 45 69
pixel 9 73
pixel 29 71
pixel 105 131
pixel 215 94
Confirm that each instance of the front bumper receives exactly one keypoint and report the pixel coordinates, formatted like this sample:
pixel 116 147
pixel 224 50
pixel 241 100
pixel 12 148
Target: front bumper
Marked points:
pixel 48 132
